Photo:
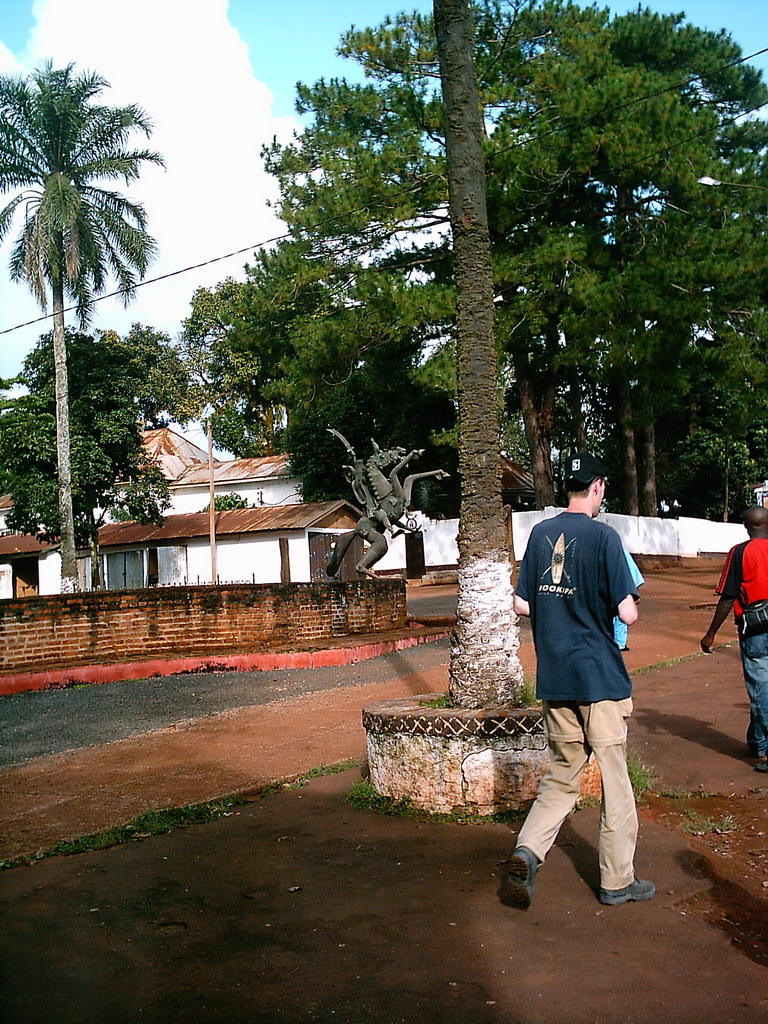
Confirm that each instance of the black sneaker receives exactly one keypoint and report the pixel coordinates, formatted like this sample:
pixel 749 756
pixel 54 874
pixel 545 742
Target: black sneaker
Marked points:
pixel 632 893
pixel 517 888
pixel 762 766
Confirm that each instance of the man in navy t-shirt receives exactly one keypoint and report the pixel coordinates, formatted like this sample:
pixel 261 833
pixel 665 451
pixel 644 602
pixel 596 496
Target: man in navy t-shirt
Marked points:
pixel 573 580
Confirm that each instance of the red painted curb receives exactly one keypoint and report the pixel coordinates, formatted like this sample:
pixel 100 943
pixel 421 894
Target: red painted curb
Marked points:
pixel 21 682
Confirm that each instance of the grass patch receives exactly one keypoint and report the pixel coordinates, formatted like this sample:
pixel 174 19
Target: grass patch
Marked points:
pixel 676 793
pixel 640 775
pixel 364 797
pixel 697 824
pixel 587 801
pixel 314 773
pixel 673 661
pixel 143 826
pixel 439 703
pixel 526 697
pixel 156 823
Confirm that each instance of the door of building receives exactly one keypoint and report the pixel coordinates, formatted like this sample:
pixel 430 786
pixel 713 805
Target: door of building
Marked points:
pixel 26 577
pixel 415 564
pixel 320 547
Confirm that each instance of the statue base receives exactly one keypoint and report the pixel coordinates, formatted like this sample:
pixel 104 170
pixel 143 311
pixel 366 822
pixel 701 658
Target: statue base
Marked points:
pixel 482 761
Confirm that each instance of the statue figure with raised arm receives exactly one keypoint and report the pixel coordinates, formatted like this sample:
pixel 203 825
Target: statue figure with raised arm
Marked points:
pixel 376 484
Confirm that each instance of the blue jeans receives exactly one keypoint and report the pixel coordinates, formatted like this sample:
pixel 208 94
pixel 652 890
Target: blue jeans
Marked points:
pixel 754 658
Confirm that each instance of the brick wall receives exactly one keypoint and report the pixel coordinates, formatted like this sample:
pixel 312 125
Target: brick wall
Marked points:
pixel 113 626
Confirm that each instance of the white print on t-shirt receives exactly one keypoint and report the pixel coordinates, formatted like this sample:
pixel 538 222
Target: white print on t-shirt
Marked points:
pixel 557 569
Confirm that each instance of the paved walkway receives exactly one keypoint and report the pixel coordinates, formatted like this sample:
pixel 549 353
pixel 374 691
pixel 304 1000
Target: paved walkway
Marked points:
pixel 297 907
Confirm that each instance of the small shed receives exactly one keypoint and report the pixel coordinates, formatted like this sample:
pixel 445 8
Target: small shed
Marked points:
pixel 285 543
pixel 28 566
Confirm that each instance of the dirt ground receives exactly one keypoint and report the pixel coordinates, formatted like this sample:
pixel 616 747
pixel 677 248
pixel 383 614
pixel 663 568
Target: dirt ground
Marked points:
pixel 297 908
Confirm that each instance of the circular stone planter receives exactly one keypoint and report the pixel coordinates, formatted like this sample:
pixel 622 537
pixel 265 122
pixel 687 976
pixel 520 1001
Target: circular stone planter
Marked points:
pixel 483 761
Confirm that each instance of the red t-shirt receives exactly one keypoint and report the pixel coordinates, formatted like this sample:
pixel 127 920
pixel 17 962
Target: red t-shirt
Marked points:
pixel 745 574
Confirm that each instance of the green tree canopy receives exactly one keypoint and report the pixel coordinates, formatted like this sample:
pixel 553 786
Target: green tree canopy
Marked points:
pixel 111 471
pixel 610 260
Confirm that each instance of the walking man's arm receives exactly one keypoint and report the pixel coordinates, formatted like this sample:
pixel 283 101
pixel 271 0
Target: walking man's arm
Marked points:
pixel 722 611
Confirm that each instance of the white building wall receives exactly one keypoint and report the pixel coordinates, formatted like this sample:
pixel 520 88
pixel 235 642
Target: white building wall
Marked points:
pixel 440 541
pixel 247 559
pixel 395 556
pixel 50 573
pixel 238 560
pixel 440 544
pixel 195 499
pixel 298 556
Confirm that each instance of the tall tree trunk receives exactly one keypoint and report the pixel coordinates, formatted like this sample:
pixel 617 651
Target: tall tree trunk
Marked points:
pixel 649 505
pixel 485 669
pixel 538 408
pixel 576 404
pixel 630 502
pixel 95 560
pixel 69 583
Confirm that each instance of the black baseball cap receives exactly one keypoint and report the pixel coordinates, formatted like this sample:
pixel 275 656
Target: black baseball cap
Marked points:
pixel 583 468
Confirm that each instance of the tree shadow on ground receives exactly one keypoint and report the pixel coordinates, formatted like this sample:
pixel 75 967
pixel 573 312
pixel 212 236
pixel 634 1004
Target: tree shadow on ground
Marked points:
pixel 694 730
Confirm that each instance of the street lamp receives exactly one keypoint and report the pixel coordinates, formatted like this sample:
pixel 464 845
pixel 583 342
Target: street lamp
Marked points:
pixel 706 180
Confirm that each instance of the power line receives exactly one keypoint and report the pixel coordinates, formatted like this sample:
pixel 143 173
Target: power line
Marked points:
pixel 217 259
pixel 523 142
pixel 154 280
pixel 681 142
pixel 682 84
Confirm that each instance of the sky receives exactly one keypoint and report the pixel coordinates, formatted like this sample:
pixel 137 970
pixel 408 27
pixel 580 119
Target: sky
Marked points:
pixel 217 78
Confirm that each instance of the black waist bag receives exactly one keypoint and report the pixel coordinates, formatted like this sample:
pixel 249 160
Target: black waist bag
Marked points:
pixel 754 619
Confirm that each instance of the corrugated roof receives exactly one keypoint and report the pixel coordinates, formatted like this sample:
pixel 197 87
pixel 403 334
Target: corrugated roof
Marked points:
pixel 6 501
pixel 173 452
pixel 186 465
pixel 236 471
pixel 232 521
pixel 515 477
pixel 22 544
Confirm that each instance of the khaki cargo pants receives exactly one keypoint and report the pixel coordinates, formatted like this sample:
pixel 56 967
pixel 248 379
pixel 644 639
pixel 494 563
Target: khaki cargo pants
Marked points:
pixel 573 732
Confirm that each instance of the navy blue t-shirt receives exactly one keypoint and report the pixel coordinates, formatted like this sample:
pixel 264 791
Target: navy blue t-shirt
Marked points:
pixel 573 576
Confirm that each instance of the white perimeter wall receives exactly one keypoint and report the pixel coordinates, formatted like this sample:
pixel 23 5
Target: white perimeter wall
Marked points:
pixel 644 535
pixel 247 559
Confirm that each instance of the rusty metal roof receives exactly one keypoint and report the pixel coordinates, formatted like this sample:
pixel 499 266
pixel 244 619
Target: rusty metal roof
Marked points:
pixel 185 465
pixel 22 544
pixel 236 471
pixel 172 452
pixel 233 521
pixel 6 501
pixel 514 476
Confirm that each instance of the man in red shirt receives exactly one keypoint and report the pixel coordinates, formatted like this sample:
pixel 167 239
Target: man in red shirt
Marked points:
pixel 744 579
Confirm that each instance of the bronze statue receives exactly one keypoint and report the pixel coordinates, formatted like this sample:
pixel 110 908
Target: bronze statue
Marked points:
pixel 384 498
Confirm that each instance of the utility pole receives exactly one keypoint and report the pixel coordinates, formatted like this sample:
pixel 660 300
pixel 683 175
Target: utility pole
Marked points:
pixel 211 509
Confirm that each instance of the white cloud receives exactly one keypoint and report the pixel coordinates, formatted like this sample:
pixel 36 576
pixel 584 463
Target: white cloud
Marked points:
pixel 8 63
pixel 188 68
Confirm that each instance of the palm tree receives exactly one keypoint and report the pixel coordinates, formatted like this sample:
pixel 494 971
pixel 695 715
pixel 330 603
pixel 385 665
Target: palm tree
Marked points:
pixel 485 669
pixel 58 147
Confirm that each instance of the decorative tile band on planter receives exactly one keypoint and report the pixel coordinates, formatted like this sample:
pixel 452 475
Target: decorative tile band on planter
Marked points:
pixel 444 759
